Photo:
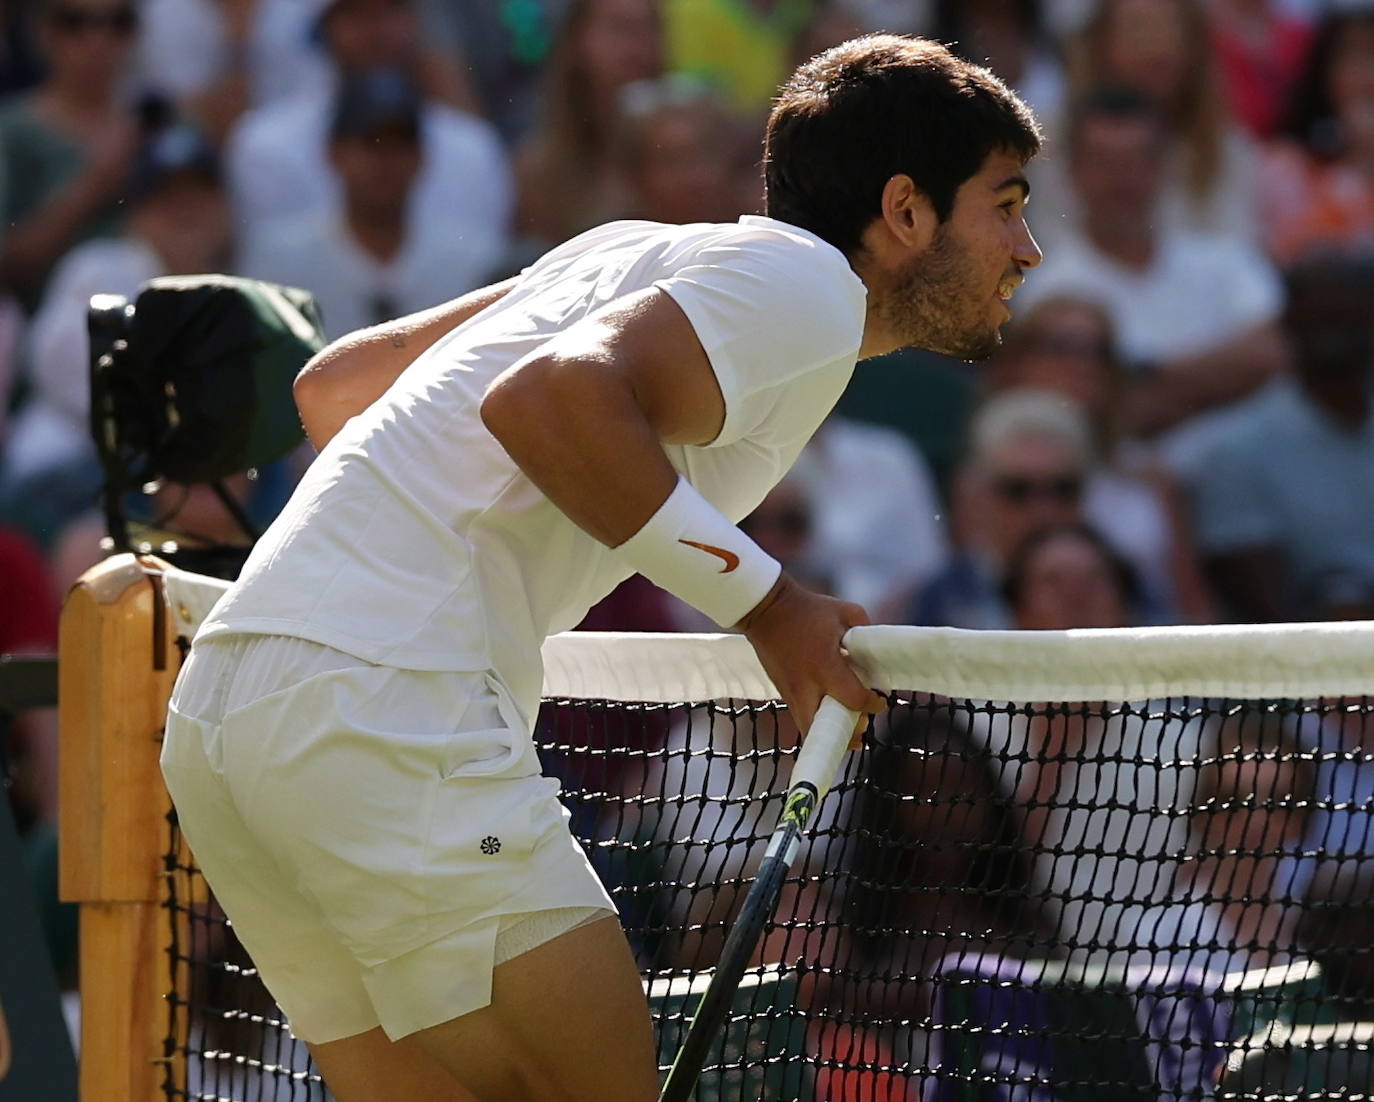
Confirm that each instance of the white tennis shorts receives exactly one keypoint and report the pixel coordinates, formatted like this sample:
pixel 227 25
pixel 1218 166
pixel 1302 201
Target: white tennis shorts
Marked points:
pixel 379 838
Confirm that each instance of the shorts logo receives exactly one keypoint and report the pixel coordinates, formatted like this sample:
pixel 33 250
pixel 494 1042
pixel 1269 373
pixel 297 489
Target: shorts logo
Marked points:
pixel 491 845
pixel 729 558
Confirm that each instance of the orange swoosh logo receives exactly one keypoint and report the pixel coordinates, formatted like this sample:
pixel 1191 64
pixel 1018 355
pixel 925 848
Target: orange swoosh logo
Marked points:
pixel 729 558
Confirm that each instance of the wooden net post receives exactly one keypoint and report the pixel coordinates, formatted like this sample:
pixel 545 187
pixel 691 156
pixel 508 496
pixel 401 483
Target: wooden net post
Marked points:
pixel 116 665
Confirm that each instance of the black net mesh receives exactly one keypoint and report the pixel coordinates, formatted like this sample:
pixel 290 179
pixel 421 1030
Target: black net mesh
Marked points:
pixel 1030 902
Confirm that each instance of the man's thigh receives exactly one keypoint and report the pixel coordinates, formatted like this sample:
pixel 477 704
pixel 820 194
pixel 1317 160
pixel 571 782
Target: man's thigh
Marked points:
pixel 369 1067
pixel 568 1022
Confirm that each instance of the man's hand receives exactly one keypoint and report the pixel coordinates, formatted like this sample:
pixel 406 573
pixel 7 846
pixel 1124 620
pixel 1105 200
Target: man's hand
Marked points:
pixel 796 634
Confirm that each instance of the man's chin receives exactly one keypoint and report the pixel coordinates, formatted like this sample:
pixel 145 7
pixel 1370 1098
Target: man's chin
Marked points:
pixel 975 348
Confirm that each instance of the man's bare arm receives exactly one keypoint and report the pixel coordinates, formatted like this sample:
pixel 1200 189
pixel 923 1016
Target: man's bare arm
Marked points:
pixel 345 378
pixel 586 417
pixel 1221 374
pixel 587 414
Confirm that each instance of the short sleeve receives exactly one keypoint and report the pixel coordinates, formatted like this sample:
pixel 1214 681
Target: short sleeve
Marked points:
pixel 1253 288
pixel 768 309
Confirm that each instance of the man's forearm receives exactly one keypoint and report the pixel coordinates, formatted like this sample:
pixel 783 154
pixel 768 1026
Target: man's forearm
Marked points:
pixel 1228 371
pixel 348 376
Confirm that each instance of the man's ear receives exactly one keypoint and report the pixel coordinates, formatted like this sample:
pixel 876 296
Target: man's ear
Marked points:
pixel 907 214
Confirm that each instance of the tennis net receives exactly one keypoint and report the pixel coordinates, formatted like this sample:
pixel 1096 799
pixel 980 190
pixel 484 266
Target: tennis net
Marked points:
pixel 1117 864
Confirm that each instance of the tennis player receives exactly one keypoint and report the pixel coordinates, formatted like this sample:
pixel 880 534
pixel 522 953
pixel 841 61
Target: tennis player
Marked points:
pixel 349 744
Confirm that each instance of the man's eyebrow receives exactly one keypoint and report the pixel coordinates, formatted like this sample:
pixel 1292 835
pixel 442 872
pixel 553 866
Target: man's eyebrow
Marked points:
pixel 1016 181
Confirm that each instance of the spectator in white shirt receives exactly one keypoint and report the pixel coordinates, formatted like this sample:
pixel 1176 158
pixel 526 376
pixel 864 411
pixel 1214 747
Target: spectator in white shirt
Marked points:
pixel 1196 312
pixel 379 256
pixel 277 155
pixel 221 57
pixel 878 529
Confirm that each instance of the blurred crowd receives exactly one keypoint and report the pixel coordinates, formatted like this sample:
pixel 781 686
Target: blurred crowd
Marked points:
pixel 1177 428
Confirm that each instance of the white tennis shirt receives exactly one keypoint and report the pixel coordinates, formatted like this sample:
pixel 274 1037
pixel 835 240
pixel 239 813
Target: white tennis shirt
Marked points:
pixel 415 541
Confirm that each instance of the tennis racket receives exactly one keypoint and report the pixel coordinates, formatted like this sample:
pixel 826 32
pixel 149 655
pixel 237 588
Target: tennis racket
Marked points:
pixel 817 766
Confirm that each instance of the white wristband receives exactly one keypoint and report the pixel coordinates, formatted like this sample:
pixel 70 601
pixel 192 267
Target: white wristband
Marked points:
pixel 693 552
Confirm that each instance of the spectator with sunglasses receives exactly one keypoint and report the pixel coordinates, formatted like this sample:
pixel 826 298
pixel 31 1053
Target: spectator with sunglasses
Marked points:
pixel 67 146
pixel 1195 312
pixel 1067 344
pixel 1028 455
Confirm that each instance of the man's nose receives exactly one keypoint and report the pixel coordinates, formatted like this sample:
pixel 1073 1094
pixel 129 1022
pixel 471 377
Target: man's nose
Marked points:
pixel 1026 252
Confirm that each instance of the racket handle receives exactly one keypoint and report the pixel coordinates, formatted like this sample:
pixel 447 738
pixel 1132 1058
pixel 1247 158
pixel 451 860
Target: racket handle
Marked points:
pixel 823 749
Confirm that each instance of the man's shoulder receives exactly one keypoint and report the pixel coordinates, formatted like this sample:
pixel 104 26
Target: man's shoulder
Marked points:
pixel 308 242
pixel 1252 432
pixel 280 123
pixel 118 264
pixel 799 268
pixel 1075 268
pixel 290 230
pixel 711 243
pixel 448 124
pixel 1184 250
pixel 784 236
pixel 863 443
pixel 17 113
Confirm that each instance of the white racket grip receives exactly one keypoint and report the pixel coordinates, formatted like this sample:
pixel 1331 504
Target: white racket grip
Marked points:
pixel 823 749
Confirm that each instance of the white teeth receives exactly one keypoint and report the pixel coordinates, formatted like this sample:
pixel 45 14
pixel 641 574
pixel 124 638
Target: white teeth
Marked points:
pixel 1005 292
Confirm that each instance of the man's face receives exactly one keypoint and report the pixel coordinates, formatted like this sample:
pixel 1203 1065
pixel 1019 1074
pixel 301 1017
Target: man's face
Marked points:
pixel 685 173
pixel 1029 482
pixel 1068 584
pixel 367 34
pixel 1351 81
pixel 92 38
pixel 1147 48
pixel 1116 169
pixel 1331 332
pixel 377 169
pixel 952 298
pixel 1065 346
pixel 186 220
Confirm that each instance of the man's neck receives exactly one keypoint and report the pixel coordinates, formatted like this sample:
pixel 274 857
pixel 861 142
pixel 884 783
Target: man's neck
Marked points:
pixel 78 106
pixel 382 238
pixel 879 338
pixel 1343 398
pixel 1361 155
pixel 1129 246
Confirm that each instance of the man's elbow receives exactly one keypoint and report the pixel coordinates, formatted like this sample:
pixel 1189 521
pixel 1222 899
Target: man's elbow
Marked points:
pixel 318 403
pixel 307 389
pixel 504 405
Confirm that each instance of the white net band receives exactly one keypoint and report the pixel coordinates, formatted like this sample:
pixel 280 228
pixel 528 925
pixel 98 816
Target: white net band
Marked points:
pixel 1248 662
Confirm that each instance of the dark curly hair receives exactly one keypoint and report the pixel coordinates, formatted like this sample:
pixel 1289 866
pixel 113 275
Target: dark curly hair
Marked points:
pixel 879 106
